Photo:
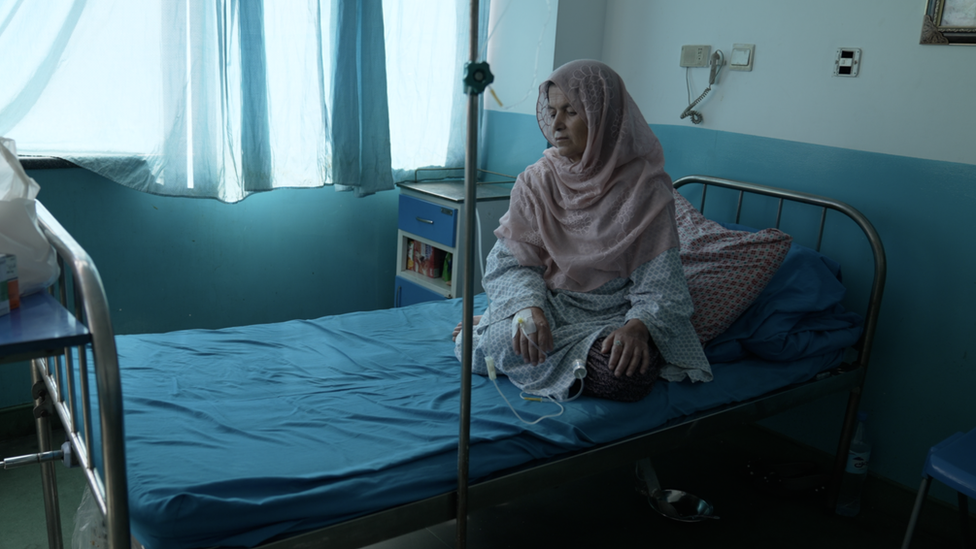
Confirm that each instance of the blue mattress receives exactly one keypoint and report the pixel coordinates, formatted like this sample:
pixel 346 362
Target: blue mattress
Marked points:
pixel 234 436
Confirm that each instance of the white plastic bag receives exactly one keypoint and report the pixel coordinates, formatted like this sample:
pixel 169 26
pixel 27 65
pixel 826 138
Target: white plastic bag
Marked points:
pixel 20 235
pixel 90 531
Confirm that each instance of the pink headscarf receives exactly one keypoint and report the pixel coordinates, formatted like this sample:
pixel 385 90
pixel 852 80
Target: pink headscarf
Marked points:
pixel 602 217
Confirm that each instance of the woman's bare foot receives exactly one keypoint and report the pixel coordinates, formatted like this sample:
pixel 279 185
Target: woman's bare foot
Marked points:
pixel 457 329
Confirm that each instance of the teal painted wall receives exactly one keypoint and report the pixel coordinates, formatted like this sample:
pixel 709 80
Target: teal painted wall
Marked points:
pixel 177 263
pixel 15 384
pixel 923 367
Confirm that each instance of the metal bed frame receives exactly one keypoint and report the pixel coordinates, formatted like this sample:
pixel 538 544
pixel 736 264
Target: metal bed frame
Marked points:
pixel 88 302
pixel 54 372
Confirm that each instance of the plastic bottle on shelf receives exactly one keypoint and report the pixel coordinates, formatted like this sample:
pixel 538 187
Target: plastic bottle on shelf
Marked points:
pixel 446 268
pixel 849 498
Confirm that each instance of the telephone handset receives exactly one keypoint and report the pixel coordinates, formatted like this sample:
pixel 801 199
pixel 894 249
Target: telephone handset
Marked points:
pixel 717 61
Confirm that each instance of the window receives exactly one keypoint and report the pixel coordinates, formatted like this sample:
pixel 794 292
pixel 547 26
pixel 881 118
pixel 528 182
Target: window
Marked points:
pixel 222 99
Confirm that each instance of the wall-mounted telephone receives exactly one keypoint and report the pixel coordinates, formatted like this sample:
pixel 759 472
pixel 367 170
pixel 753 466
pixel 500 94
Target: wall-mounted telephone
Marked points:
pixel 717 61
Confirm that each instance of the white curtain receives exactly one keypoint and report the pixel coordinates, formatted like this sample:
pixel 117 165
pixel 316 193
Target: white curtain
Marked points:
pixel 223 98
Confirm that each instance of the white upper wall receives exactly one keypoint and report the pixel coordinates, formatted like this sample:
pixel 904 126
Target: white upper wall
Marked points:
pixel 521 42
pixel 579 30
pixel 529 38
pixel 909 99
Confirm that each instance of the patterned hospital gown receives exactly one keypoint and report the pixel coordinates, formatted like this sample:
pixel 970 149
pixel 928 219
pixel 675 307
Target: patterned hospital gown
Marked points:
pixel 656 293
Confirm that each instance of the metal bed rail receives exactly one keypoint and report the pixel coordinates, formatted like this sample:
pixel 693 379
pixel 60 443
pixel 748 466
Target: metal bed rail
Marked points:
pixel 873 309
pixel 877 248
pixel 90 307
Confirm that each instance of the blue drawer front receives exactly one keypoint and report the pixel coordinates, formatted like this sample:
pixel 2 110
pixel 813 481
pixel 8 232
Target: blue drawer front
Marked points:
pixel 427 220
pixel 408 293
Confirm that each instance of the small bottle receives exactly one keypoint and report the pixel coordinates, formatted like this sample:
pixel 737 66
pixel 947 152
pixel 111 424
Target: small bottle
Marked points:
pixel 446 268
pixel 849 498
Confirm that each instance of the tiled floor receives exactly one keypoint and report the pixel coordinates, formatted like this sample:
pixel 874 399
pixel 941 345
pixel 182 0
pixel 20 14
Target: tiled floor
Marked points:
pixel 603 510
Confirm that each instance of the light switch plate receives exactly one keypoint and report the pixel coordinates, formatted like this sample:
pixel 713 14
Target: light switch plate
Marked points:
pixel 742 57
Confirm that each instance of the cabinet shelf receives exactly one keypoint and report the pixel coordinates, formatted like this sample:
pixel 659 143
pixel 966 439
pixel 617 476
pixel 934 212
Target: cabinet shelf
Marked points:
pixel 435 284
pixel 432 284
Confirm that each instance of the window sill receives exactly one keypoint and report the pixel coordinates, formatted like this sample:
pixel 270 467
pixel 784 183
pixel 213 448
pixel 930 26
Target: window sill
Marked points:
pixel 45 163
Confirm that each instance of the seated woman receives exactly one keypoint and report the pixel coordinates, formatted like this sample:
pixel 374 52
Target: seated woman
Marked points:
pixel 588 251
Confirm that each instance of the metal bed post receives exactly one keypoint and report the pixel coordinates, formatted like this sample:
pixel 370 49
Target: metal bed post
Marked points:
pixel 111 488
pixel 474 77
pixel 52 511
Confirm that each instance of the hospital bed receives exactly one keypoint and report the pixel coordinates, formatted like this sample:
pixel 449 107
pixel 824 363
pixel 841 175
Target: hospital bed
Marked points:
pixel 343 431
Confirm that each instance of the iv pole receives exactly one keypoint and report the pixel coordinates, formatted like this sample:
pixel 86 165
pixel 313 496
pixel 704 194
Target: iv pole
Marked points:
pixel 476 77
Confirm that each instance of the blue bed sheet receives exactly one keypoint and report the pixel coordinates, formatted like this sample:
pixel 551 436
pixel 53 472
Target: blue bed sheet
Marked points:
pixel 237 435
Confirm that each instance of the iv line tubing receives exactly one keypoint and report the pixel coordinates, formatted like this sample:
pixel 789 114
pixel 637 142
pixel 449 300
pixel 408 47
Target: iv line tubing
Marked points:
pixel 481 254
pixel 523 420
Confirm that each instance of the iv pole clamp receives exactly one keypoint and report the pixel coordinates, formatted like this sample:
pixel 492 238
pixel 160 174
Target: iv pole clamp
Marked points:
pixel 477 76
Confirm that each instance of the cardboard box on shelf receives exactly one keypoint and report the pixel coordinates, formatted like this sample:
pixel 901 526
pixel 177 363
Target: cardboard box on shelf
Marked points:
pixel 430 261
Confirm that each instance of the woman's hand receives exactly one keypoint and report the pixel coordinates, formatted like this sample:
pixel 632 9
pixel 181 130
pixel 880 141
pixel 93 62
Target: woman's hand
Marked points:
pixel 460 326
pixel 628 349
pixel 533 347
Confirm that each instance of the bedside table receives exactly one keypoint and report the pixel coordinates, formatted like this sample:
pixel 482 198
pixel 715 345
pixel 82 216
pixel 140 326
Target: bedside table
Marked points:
pixel 431 225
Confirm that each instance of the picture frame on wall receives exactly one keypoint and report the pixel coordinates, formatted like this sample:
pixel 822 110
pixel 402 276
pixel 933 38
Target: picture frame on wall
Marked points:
pixel 950 22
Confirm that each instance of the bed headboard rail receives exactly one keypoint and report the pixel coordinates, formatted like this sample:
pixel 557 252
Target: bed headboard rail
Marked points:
pixel 90 307
pixel 824 203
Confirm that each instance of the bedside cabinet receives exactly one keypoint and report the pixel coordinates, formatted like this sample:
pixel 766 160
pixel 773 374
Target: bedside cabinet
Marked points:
pixel 431 227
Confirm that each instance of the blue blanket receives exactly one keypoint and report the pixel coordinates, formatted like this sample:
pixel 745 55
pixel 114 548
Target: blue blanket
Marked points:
pixel 798 314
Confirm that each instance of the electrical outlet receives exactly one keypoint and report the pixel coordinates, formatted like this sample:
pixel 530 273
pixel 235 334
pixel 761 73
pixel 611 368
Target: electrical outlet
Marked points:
pixel 695 56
